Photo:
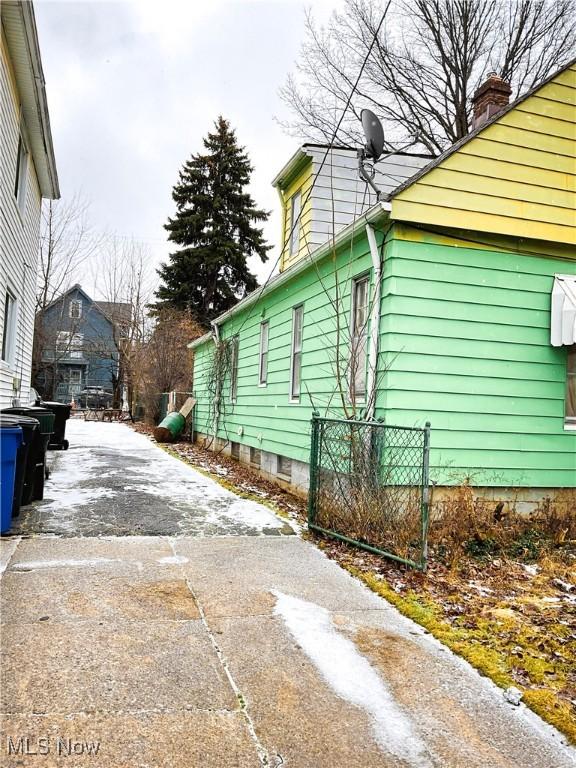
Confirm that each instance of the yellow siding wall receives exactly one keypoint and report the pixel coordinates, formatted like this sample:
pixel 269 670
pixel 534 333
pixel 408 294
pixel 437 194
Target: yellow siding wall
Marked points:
pixel 517 177
pixel 302 182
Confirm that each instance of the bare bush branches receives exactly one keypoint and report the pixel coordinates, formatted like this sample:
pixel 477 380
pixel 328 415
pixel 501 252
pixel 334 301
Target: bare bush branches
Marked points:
pixel 427 62
pixel 162 362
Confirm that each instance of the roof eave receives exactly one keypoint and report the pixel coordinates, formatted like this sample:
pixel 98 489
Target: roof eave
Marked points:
pixel 373 214
pixel 22 35
pixel 472 135
pixel 291 167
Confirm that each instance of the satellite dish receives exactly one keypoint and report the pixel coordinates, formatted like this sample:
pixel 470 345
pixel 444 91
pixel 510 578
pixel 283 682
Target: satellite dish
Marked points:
pixel 374 134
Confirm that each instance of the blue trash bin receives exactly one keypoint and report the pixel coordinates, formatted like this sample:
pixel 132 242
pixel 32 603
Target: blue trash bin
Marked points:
pixel 10 439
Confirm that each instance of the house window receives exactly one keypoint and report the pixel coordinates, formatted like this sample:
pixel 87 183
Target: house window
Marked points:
pixel 296 356
pixel 9 330
pixel 571 386
pixel 75 309
pixel 255 456
pixel 234 369
pixel 21 174
pixel 235 450
pixel 295 205
pixel 70 344
pixel 75 376
pixel 284 466
pixel 263 363
pixel 359 338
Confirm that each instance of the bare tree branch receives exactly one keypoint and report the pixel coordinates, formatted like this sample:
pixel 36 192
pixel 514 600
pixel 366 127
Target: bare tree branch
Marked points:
pixel 427 62
pixel 67 242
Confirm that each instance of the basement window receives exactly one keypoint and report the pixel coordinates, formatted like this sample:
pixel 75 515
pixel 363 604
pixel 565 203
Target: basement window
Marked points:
pixel 235 450
pixel 255 457
pixel 284 467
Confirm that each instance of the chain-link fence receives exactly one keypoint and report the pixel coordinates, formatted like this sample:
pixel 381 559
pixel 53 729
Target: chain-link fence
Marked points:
pixel 369 486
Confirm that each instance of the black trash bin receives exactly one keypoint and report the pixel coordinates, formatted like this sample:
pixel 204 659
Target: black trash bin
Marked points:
pixel 25 478
pixel 61 412
pixel 37 454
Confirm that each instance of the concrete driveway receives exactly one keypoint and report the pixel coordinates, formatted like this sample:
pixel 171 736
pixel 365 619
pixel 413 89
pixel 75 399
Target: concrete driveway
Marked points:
pixel 217 640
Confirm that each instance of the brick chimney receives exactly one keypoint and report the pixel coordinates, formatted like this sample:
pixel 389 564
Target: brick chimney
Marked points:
pixel 491 98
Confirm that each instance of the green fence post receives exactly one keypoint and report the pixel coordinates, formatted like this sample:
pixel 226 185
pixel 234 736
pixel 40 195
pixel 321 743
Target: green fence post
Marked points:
pixel 425 494
pixel 313 482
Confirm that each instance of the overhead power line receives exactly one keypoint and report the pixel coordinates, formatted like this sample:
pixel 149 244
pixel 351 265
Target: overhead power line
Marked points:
pixel 328 148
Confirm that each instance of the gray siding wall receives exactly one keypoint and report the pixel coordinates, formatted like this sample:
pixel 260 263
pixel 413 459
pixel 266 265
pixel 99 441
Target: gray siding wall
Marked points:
pixel 339 194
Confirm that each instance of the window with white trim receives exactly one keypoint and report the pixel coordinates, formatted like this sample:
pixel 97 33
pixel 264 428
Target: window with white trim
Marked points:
pixel 9 328
pixel 296 354
pixel 571 386
pixel 70 344
pixel 75 309
pixel 234 369
pixel 295 208
pixel 359 338
pixel 263 357
pixel 21 174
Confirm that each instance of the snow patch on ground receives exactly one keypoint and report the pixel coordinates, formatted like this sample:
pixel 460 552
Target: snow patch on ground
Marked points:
pixel 98 433
pixel 65 489
pixel 352 677
pixel 82 475
pixel 173 560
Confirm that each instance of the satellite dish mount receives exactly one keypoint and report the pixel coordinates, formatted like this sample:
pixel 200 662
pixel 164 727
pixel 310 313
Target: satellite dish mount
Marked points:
pixel 371 152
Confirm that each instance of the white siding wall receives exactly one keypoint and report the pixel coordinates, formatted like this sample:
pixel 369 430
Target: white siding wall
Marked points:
pixel 19 236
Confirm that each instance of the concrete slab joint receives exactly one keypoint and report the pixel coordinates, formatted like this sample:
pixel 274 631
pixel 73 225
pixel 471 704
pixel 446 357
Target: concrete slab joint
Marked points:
pixel 167 622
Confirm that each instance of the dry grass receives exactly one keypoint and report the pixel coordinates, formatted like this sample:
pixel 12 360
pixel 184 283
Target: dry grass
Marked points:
pixel 500 591
pixel 465 524
pixel 388 518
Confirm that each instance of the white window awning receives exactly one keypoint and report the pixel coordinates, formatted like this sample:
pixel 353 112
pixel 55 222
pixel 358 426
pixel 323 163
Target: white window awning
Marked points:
pixel 563 311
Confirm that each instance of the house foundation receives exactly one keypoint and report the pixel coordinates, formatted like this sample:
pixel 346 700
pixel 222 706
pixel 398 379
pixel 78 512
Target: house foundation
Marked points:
pixel 294 476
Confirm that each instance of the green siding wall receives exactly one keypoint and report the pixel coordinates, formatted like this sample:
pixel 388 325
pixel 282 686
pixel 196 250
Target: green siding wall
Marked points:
pixel 266 412
pixel 464 339
pixel 466 334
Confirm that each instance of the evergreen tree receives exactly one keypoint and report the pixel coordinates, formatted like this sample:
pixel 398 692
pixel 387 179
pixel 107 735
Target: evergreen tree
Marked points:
pixel 215 228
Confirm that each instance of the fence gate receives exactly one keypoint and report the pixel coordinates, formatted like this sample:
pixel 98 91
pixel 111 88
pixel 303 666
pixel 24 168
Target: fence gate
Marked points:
pixel 369 486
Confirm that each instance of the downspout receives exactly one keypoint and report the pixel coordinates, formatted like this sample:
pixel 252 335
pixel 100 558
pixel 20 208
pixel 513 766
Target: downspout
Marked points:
pixel 374 323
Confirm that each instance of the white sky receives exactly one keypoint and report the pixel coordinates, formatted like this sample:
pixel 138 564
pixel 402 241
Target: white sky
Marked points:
pixel 133 86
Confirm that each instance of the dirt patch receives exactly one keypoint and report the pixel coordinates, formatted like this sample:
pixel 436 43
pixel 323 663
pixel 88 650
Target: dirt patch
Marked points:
pixel 162 600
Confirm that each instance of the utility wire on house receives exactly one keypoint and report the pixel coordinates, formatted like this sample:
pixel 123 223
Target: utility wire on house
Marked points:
pixel 316 175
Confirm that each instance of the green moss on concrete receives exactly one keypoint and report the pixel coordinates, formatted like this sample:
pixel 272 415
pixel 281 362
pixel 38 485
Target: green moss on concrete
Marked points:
pixel 487 644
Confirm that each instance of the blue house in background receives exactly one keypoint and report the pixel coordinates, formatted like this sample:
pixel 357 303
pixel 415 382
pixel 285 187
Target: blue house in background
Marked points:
pixel 76 341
